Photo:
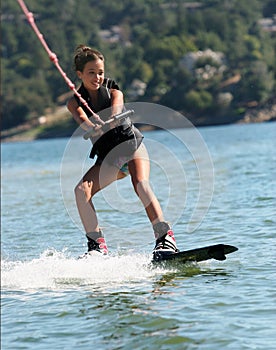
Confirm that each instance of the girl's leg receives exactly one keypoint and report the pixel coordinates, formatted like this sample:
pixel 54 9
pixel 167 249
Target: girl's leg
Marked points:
pixel 97 178
pixel 139 169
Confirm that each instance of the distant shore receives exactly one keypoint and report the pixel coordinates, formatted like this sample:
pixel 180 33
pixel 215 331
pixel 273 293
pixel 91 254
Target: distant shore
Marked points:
pixel 59 123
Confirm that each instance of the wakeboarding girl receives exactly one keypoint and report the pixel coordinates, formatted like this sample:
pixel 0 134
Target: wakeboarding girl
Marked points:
pixel 120 151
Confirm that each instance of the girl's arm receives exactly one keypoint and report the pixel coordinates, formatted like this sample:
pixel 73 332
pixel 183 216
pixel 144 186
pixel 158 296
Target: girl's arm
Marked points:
pixel 117 101
pixel 79 115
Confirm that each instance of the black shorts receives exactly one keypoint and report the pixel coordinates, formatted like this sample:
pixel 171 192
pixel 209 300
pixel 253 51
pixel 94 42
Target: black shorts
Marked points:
pixel 117 144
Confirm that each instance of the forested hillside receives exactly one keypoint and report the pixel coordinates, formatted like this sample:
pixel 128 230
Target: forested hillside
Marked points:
pixel 211 58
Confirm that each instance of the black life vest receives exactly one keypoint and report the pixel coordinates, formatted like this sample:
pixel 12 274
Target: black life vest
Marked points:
pixel 104 96
pixel 125 138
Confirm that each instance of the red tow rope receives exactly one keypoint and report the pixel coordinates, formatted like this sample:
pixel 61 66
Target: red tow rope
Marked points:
pixel 53 57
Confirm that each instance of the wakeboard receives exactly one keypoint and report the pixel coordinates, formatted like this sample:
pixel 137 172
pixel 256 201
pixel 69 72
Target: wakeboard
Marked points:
pixel 217 252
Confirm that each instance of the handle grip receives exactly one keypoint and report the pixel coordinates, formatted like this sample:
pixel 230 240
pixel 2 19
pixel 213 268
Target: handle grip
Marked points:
pixel 117 117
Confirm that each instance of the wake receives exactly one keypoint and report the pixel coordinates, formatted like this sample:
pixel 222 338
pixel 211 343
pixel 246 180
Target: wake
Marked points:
pixel 54 270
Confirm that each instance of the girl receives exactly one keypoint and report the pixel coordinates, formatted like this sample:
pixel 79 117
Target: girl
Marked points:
pixel 101 93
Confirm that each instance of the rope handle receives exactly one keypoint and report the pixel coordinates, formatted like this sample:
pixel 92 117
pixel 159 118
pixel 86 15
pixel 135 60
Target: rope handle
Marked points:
pixel 119 117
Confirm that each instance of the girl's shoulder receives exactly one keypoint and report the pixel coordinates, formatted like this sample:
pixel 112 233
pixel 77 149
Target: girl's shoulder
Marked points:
pixel 110 84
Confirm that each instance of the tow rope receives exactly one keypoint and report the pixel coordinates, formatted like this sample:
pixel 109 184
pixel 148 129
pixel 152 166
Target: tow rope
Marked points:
pixel 53 57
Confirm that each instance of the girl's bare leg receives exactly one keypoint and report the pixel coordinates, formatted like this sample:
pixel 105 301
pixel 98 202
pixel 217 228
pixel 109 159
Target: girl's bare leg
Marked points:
pixel 139 169
pixel 97 178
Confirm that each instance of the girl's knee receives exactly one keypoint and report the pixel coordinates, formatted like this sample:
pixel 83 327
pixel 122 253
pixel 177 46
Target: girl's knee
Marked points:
pixel 83 190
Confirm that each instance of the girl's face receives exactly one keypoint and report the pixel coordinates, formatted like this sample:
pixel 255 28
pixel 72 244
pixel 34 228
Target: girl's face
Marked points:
pixel 93 74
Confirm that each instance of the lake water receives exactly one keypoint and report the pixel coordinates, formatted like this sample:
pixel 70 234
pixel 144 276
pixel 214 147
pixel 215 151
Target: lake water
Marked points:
pixel 219 189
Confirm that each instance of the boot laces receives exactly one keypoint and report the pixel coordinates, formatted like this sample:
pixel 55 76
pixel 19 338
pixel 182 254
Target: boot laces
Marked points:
pixel 167 242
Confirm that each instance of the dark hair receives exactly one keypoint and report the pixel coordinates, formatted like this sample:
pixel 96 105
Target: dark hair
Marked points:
pixel 84 54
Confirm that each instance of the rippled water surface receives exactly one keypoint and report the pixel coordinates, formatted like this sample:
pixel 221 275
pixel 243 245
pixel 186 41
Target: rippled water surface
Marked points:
pixel 50 299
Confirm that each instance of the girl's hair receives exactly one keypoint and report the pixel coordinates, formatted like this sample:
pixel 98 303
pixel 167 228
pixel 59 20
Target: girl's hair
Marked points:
pixel 84 54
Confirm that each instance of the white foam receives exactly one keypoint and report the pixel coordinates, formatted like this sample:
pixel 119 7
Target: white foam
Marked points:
pixel 55 270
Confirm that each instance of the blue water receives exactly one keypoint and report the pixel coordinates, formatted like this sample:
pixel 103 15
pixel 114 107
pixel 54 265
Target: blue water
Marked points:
pixel 216 186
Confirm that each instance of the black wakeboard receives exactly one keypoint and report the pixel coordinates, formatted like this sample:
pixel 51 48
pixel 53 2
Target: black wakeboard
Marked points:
pixel 217 252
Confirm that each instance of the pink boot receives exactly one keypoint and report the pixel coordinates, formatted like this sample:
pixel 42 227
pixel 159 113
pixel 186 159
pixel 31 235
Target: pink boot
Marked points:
pixel 96 242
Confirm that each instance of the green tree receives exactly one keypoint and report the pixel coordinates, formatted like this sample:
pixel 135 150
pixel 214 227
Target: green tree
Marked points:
pixel 197 101
pixel 256 84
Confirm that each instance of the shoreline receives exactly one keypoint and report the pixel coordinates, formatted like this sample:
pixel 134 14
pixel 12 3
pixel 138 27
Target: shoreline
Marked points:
pixel 60 123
